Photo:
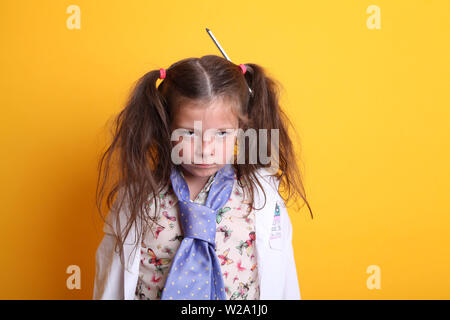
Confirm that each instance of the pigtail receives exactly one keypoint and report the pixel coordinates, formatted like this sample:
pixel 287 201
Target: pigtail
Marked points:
pixel 139 148
pixel 264 112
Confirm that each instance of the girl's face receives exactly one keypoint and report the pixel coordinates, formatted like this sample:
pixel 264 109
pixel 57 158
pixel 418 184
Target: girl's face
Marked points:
pixel 205 136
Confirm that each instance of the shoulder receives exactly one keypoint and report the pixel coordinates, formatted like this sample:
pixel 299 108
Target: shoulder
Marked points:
pixel 268 179
pixel 266 195
pixel 119 214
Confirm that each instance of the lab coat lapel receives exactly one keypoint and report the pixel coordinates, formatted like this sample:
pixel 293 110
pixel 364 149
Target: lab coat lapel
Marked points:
pixel 131 277
pixel 268 251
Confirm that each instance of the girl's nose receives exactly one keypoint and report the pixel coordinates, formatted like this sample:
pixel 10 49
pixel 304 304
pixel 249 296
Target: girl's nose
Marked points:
pixel 207 148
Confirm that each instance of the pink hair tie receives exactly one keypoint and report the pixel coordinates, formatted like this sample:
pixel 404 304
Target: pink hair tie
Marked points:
pixel 244 69
pixel 162 73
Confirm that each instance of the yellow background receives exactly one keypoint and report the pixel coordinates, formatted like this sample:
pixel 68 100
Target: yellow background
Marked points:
pixel 371 108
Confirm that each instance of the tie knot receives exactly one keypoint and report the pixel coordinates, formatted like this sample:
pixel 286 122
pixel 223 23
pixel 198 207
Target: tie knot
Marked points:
pixel 198 221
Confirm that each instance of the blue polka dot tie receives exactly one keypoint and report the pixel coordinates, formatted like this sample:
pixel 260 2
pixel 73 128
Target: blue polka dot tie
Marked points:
pixel 195 271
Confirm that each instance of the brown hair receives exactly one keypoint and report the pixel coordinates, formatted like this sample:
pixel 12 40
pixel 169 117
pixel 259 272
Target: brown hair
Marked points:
pixel 140 151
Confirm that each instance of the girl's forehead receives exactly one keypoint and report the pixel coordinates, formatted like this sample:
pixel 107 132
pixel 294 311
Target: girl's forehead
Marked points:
pixel 219 114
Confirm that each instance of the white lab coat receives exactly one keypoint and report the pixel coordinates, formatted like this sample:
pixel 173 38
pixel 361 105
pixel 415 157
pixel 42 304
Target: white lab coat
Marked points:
pixel 277 273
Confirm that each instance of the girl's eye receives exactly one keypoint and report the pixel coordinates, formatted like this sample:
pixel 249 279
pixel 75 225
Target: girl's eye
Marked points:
pixel 222 133
pixel 189 133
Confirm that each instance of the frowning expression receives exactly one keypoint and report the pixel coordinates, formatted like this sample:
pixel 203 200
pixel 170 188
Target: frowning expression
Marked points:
pixel 204 136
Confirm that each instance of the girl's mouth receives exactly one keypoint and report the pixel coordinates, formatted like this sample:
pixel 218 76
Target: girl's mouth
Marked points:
pixel 204 165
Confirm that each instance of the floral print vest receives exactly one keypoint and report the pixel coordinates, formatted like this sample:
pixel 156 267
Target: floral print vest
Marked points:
pixel 235 246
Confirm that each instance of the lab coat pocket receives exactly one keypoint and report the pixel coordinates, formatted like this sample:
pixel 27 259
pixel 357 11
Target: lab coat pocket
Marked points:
pixel 275 240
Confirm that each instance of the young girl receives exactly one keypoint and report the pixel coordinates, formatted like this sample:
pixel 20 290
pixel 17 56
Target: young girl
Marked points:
pixel 216 228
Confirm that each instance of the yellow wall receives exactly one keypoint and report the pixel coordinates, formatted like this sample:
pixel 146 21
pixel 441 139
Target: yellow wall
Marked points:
pixel 371 107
